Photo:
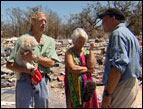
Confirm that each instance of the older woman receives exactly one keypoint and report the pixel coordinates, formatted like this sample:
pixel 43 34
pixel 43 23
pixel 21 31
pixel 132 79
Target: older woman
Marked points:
pixel 79 64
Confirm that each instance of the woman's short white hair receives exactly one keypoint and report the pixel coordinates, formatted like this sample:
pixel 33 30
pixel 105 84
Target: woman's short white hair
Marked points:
pixel 79 32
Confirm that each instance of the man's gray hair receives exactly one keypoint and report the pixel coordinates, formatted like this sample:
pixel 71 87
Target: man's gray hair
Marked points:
pixel 79 32
pixel 35 16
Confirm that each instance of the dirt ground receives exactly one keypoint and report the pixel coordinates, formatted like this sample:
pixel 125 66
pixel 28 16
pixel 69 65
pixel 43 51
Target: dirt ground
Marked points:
pixel 57 97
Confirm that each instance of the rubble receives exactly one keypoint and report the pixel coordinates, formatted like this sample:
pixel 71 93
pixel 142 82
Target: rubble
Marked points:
pixel 6 83
pixel 8 78
pixel 3 103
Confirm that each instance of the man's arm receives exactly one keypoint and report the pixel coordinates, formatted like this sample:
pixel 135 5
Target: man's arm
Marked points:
pixel 17 68
pixel 113 80
pixel 47 62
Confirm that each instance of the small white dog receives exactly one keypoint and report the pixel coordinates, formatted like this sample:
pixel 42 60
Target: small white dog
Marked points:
pixel 28 44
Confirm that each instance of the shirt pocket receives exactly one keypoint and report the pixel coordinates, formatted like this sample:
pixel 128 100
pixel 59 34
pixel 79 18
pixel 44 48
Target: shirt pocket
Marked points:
pixel 46 52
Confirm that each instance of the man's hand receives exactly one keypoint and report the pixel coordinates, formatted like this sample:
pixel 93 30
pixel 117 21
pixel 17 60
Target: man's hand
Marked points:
pixel 106 102
pixel 33 70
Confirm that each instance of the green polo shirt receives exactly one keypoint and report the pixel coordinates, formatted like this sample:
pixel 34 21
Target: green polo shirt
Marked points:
pixel 47 49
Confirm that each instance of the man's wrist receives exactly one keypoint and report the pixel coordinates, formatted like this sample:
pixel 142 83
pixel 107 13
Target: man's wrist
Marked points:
pixel 37 59
pixel 30 71
pixel 106 93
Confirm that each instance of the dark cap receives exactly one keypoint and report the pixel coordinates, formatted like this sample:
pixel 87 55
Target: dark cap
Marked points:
pixel 119 15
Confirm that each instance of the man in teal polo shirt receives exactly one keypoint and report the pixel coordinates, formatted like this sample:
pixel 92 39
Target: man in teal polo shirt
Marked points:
pixel 44 56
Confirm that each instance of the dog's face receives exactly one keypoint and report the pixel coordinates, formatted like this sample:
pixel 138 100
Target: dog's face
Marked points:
pixel 29 43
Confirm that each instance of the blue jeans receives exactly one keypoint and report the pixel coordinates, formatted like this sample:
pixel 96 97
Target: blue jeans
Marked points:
pixel 29 96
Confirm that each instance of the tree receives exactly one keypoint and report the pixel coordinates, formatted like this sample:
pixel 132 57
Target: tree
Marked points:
pixel 133 13
pixel 53 23
pixel 18 20
pixel 16 15
pixel 135 20
pixel 88 20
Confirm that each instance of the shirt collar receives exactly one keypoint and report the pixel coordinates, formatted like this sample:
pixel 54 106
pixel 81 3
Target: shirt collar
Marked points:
pixel 119 25
pixel 42 38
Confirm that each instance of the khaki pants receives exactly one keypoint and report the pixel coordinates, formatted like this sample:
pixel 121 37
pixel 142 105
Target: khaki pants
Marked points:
pixel 124 95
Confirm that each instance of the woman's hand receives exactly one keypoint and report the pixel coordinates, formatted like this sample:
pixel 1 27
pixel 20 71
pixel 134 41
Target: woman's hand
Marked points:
pixel 91 70
pixel 92 45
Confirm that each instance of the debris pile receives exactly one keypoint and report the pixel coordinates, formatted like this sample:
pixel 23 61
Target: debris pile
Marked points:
pixel 57 73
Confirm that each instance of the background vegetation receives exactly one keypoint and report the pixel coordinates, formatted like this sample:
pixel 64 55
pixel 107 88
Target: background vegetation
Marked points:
pixel 18 20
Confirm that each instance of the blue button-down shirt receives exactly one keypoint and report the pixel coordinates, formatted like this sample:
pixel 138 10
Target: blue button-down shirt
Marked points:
pixel 123 52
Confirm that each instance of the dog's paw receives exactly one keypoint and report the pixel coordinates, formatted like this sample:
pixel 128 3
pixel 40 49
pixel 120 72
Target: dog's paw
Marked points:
pixel 29 66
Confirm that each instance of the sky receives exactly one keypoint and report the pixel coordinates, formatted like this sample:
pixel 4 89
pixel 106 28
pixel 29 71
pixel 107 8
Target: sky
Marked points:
pixel 62 8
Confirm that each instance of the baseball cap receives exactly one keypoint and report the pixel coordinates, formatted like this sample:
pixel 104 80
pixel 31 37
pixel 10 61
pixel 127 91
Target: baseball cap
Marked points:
pixel 119 15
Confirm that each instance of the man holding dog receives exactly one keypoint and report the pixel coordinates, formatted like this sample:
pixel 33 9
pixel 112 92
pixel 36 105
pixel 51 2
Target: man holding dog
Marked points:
pixel 44 57
pixel 122 64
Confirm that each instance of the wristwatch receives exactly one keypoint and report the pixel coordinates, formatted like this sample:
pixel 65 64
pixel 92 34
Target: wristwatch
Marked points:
pixel 37 59
pixel 106 93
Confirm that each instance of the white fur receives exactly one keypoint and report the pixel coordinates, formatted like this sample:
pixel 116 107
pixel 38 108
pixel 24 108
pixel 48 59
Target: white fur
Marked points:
pixel 28 44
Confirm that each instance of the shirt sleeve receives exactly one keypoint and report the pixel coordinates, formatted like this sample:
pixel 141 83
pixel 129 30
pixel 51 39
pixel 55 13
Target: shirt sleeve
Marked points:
pixel 52 53
pixel 118 53
pixel 140 56
pixel 14 52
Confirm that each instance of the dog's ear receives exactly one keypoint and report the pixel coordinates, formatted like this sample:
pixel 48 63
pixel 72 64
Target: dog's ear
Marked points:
pixel 34 42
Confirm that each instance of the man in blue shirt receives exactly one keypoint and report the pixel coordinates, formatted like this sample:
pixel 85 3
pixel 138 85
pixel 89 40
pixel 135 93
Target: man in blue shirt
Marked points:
pixel 122 64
